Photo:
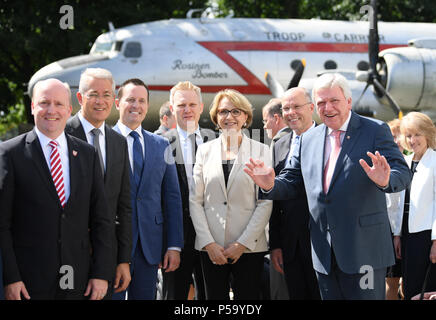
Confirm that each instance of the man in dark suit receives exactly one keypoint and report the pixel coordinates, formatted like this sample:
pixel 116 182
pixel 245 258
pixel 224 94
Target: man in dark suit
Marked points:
pixel 289 238
pixel 275 127
pixel 96 96
pixel 187 106
pixel 53 208
pixel 349 225
pixel 156 203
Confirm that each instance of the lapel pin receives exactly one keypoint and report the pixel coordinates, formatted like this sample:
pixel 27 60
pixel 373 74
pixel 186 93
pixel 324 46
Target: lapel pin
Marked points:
pixel 74 153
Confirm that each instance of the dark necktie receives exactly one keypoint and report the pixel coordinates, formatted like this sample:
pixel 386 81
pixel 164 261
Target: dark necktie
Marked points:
pixel 194 147
pixel 138 157
pixel 96 133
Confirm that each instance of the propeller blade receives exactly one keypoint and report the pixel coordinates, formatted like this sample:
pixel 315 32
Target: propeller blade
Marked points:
pixel 298 74
pixel 361 95
pixel 274 86
pixel 395 107
pixel 373 45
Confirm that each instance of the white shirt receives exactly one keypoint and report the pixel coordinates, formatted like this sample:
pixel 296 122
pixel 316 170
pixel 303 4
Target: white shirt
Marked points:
pixel 63 153
pixel 125 131
pixel 187 147
pixel 88 127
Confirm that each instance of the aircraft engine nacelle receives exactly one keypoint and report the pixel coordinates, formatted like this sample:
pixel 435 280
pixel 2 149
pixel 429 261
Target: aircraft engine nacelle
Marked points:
pixel 410 75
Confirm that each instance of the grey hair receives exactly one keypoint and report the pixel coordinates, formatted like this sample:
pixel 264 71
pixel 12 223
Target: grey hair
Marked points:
pixel 98 73
pixel 330 80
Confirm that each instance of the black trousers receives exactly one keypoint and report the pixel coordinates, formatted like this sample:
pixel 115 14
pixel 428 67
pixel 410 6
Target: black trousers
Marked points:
pixel 176 284
pixel 299 273
pixel 415 255
pixel 244 277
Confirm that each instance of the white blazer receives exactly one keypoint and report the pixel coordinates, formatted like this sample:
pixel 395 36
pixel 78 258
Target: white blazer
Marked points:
pixel 422 210
pixel 225 215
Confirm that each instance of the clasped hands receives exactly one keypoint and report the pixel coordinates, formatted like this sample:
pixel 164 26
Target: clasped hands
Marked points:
pixel 219 255
pixel 379 173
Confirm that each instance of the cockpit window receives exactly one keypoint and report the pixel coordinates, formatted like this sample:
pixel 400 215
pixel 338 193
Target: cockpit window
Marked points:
pixel 101 47
pixel 133 50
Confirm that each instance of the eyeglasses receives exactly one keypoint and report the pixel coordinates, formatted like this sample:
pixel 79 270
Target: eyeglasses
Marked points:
pixel 294 108
pixel 94 96
pixel 225 112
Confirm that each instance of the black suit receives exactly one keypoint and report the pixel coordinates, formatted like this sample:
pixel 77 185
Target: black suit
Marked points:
pixel 116 187
pixel 176 284
pixel 289 231
pixel 37 235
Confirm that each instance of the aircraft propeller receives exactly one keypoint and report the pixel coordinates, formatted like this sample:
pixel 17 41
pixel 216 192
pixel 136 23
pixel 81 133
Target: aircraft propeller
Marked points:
pixel 276 88
pixel 372 76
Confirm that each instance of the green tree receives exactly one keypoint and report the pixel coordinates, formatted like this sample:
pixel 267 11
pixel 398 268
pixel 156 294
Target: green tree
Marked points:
pixel 31 36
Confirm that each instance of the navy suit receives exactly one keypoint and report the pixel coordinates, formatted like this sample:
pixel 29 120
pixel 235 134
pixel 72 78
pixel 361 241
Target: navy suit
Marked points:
pixel 353 212
pixel 156 213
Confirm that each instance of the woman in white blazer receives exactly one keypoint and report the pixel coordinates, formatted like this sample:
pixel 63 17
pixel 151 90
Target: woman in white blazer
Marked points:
pixel 417 244
pixel 228 217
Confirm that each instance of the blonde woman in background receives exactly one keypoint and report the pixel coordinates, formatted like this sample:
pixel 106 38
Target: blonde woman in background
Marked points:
pixel 395 203
pixel 228 217
pixel 417 244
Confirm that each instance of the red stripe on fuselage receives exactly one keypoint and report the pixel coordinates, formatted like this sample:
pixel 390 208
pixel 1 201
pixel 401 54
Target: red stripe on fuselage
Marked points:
pixel 254 85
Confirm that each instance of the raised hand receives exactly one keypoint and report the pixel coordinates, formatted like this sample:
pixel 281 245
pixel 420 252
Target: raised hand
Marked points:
pixel 262 175
pixel 380 171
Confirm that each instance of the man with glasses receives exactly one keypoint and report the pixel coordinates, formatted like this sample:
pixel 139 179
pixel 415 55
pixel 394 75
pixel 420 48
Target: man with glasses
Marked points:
pixel 96 96
pixel 288 227
pixel 349 226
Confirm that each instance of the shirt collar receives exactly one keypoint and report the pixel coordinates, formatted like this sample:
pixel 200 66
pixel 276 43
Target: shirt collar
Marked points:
pixel 44 140
pixel 344 127
pixel 312 126
pixel 87 126
pixel 184 134
pixel 125 130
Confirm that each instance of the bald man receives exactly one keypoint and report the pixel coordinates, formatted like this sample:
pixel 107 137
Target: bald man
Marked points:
pixel 53 208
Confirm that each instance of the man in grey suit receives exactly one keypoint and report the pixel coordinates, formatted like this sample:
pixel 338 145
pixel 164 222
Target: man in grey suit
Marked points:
pixel 166 118
pixel 349 225
pixel 96 96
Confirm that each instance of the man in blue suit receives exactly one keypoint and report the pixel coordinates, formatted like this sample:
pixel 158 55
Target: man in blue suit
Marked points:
pixel 349 226
pixel 157 225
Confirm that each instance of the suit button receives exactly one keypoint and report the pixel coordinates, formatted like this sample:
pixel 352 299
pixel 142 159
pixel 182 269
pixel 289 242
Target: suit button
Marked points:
pixel 63 216
pixel 225 203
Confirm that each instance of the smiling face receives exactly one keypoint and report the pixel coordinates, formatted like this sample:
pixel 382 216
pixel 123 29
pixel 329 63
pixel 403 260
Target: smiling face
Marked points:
pixel 97 101
pixel 228 121
pixel 51 107
pixel 333 109
pixel 417 142
pixel 297 110
pixel 133 105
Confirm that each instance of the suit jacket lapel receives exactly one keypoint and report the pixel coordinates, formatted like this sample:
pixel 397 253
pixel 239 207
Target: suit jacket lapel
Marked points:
pixel 145 168
pixel 34 151
pixel 76 128
pixel 351 136
pixel 73 157
pixel 110 151
pixel 281 154
pixel 217 165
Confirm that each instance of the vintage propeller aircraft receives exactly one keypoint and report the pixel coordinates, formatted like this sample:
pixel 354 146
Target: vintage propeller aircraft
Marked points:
pixel 218 53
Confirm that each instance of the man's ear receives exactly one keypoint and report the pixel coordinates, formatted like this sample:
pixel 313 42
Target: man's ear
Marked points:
pixel 79 97
pixel 117 104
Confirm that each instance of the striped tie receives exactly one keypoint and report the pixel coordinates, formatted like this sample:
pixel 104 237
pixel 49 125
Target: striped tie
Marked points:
pixel 56 171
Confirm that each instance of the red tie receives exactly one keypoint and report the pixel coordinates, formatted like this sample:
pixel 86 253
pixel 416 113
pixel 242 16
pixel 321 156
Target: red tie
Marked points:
pixel 56 171
pixel 331 162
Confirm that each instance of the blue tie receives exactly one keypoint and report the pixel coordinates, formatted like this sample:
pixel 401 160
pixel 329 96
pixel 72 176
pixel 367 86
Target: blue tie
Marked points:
pixel 138 159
